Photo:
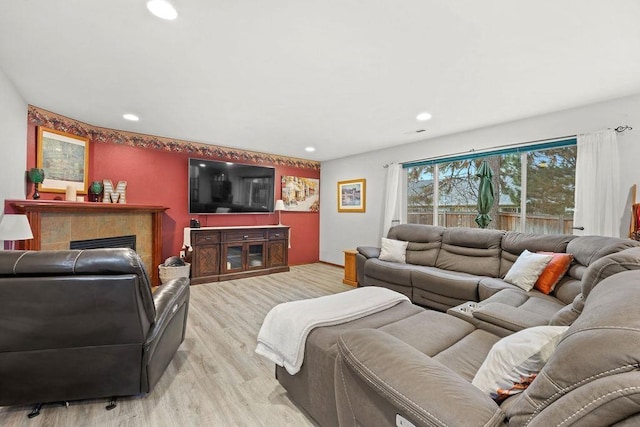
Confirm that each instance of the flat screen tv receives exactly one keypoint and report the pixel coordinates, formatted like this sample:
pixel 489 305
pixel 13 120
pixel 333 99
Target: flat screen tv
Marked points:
pixel 225 187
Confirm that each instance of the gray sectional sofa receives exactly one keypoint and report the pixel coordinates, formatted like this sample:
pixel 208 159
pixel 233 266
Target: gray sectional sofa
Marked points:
pixel 408 365
pixel 447 267
pixel 591 379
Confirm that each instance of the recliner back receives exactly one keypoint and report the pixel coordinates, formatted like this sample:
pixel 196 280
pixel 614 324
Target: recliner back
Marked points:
pixel 91 307
pixel 470 250
pixel 424 242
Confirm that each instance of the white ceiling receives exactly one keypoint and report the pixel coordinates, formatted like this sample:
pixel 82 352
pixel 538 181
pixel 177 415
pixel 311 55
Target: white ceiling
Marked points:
pixel 344 76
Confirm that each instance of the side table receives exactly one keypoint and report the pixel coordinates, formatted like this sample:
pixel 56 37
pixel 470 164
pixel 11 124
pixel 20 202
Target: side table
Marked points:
pixel 350 276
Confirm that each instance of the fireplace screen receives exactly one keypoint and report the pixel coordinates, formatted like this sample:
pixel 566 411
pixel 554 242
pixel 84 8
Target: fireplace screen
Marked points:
pixel 108 242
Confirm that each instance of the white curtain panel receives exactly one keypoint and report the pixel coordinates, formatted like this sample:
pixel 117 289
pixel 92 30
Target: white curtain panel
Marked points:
pixel 597 190
pixel 391 206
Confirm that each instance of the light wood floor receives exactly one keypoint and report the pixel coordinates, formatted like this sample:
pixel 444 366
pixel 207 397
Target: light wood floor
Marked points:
pixel 215 379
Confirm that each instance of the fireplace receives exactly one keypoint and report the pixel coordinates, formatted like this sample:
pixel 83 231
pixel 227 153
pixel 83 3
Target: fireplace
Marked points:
pixel 55 224
pixel 108 242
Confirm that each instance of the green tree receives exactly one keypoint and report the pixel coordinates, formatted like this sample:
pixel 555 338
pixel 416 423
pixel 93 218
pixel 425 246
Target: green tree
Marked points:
pixel 551 181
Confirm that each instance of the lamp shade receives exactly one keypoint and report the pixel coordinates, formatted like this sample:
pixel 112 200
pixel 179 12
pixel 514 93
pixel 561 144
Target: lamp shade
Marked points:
pixel 279 205
pixel 15 227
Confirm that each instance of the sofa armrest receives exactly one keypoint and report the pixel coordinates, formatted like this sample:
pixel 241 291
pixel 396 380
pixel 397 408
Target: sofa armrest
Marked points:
pixel 369 251
pixel 386 376
pixel 508 317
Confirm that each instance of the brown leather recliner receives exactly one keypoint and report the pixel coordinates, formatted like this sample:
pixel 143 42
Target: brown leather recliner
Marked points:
pixel 84 324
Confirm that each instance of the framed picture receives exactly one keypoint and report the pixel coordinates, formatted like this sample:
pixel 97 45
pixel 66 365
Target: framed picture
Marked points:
pixel 352 195
pixel 300 194
pixel 65 160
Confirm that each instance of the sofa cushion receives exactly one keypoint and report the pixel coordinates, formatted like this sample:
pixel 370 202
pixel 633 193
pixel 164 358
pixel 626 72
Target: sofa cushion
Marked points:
pixel 553 272
pixel 525 271
pixel 567 289
pixel 614 263
pixel 514 361
pixel 533 301
pixel 416 233
pixel 587 249
pixel 424 242
pixel 489 286
pixel 393 250
pixel 455 343
pixel 513 243
pixel 454 284
pixel 507 317
pixel 391 272
pixel 419 253
pixel 470 250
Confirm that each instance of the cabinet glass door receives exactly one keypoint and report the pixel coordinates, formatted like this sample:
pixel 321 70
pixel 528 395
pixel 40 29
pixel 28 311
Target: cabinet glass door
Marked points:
pixel 255 255
pixel 234 257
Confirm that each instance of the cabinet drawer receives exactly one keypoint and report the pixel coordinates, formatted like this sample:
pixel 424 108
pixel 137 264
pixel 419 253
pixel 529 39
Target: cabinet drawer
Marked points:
pixel 277 234
pixel 241 235
pixel 204 237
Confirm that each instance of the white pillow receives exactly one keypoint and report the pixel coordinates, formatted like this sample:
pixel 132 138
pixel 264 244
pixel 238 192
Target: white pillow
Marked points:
pixel 525 271
pixel 393 250
pixel 514 361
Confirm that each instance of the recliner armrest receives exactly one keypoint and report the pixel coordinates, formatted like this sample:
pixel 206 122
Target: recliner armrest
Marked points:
pixel 167 299
pixel 369 251
pixel 508 317
pixel 415 386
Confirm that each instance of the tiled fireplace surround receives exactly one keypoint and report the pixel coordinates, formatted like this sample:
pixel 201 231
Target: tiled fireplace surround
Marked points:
pixel 56 223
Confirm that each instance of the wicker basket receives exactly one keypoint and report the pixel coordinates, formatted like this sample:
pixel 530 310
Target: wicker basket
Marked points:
pixel 169 273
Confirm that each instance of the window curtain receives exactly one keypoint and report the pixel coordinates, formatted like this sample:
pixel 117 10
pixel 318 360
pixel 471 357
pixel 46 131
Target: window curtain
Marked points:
pixel 597 205
pixel 392 190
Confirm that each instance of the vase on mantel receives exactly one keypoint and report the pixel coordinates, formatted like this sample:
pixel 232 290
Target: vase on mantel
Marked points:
pixel 36 175
pixel 95 190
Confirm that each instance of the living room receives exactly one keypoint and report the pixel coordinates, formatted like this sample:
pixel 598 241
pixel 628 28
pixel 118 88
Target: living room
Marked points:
pixel 604 97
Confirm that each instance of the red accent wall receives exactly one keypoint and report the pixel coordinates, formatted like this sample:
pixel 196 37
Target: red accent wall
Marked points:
pixel 158 177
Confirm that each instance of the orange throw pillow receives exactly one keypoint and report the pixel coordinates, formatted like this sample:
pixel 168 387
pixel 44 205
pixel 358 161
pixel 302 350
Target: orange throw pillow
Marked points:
pixel 554 271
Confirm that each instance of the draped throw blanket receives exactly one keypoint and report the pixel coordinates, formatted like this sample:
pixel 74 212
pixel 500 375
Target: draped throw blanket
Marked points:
pixel 284 331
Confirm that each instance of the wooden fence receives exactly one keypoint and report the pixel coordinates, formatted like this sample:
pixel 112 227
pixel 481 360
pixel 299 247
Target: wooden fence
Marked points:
pixel 539 224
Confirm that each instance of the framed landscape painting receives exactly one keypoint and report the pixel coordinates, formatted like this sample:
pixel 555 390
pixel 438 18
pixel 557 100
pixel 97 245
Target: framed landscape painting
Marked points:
pixel 65 160
pixel 352 195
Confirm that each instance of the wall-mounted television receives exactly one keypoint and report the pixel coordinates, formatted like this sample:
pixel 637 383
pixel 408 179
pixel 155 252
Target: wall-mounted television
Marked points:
pixel 226 187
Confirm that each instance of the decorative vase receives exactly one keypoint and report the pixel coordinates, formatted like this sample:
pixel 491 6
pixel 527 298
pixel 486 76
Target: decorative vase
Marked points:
pixel 36 175
pixel 95 189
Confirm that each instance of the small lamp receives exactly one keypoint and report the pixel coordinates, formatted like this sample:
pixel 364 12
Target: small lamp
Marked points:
pixel 36 175
pixel 15 227
pixel 279 208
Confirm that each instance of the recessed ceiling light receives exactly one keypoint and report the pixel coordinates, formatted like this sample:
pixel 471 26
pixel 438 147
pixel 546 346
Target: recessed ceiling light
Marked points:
pixel 310 149
pixel 130 117
pixel 162 9
pixel 423 116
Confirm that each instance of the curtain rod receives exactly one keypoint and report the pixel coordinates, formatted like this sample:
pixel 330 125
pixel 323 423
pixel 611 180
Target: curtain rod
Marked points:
pixel 473 150
pixel 622 128
pixel 618 129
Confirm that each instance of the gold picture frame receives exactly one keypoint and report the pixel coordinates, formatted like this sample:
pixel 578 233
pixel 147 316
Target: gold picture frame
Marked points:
pixel 352 195
pixel 65 160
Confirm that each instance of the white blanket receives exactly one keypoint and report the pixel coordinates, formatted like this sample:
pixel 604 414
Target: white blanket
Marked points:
pixel 284 331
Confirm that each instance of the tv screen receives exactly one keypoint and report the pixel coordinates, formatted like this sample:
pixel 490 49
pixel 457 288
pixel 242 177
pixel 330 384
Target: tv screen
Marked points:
pixel 225 187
